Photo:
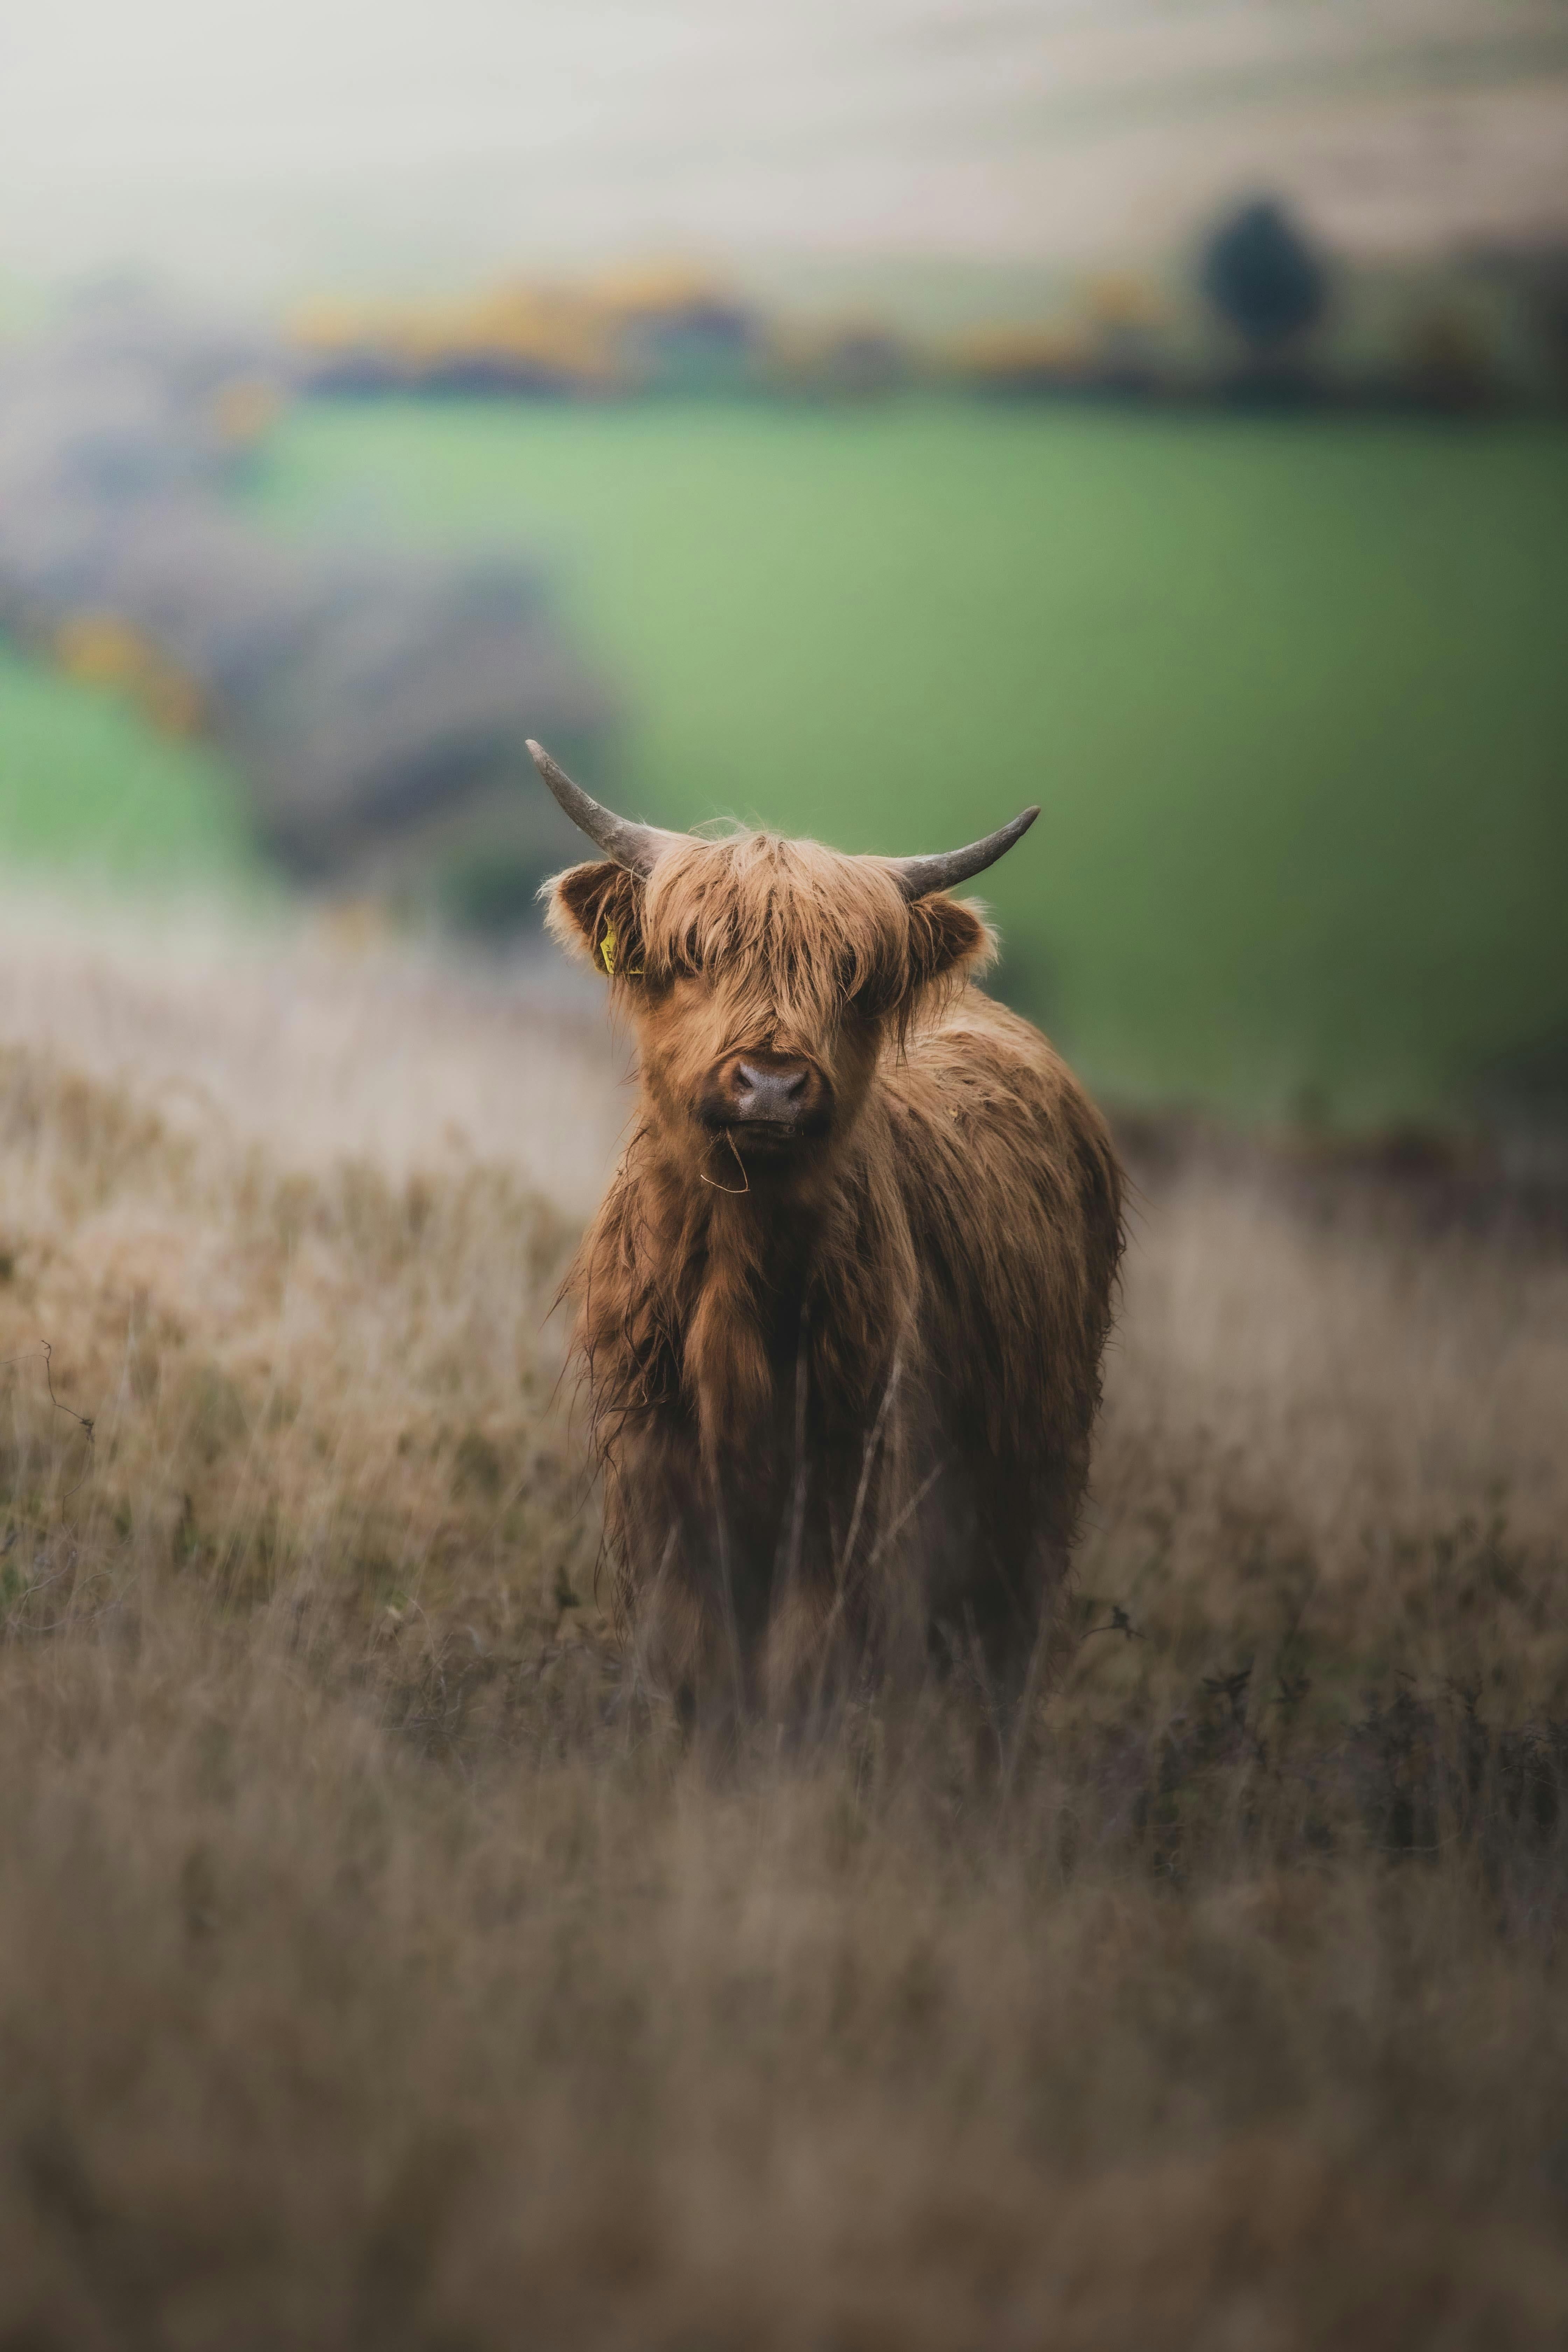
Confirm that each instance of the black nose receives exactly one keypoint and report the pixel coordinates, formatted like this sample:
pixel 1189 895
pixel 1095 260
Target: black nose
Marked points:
pixel 765 1092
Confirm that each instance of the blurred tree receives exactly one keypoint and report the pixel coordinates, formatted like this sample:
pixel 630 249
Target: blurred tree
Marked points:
pixel 1263 277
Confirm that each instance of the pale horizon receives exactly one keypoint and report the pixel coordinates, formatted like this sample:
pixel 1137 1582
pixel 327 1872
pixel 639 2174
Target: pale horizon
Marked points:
pixel 327 143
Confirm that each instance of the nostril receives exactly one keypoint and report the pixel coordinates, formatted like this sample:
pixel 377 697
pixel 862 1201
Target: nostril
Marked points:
pixel 762 1091
pixel 771 1086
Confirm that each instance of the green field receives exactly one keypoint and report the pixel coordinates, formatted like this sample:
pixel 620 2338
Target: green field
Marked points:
pixel 1291 692
pixel 87 787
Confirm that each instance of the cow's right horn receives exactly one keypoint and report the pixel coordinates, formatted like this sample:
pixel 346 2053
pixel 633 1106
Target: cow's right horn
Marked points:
pixel 919 876
pixel 638 847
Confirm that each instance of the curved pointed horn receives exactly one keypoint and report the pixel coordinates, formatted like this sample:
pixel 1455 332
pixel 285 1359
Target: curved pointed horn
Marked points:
pixel 919 876
pixel 638 847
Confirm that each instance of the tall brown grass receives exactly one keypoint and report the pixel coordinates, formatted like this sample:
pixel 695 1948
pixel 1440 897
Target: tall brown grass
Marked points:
pixel 377 1969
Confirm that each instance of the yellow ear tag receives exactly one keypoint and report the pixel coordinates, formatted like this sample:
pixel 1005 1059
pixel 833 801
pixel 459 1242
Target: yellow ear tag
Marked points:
pixel 608 950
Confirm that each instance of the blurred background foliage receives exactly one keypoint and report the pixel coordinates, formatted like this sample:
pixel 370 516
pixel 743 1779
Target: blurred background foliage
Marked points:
pixel 1222 510
pixel 1289 691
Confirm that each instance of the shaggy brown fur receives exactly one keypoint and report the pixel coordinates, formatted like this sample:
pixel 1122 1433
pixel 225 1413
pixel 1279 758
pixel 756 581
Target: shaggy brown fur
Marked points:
pixel 842 1391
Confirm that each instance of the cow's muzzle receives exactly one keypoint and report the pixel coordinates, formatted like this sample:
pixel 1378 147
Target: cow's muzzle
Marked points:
pixel 768 1099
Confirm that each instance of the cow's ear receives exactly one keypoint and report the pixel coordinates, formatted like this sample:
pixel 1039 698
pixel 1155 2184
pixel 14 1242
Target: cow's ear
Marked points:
pixel 597 911
pixel 948 936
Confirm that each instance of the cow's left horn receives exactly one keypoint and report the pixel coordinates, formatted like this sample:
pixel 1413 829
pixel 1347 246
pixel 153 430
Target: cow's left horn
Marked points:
pixel 919 876
pixel 638 847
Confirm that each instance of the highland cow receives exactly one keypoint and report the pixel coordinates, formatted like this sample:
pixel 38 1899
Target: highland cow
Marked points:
pixel 842 1310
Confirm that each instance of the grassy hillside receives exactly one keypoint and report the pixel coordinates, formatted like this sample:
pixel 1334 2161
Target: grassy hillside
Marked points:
pixel 1290 692
pixel 376 1966
pixel 86 785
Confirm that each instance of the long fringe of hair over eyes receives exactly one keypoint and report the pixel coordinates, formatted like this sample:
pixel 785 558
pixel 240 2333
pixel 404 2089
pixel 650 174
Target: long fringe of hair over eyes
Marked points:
pixel 796 931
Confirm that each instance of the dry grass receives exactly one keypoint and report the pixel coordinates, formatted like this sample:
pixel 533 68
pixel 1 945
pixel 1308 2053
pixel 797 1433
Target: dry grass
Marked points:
pixel 373 1972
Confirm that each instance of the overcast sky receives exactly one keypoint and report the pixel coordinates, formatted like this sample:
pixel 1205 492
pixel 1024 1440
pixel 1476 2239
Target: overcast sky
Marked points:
pixel 280 144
